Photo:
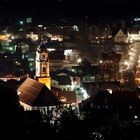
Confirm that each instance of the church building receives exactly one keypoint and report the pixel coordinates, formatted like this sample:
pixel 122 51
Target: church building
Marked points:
pixel 37 93
pixel 42 66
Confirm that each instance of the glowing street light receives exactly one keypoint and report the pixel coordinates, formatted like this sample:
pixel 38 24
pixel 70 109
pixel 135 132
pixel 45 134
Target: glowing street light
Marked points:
pixel 126 63
pixel 100 61
pixel 136 117
pixel 79 60
pixel 21 22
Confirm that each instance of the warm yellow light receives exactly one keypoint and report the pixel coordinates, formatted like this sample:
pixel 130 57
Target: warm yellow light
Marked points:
pixel 59 38
pixel 4 37
pixel 126 63
pixel 130 53
pixel 100 61
pixel 46 81
pixel 109 90
pixel 79 60
pixel 138 61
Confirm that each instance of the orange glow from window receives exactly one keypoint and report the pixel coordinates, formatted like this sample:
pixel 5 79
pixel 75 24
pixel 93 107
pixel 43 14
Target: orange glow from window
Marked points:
pixel 46 81
pixel 4 37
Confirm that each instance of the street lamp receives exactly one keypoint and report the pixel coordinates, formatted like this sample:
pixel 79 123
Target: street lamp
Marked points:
pixel 21 22
pixel 100 61
pixel 79 60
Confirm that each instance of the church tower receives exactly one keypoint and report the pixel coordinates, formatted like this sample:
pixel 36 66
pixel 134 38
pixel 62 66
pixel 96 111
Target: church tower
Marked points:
pixel 42 65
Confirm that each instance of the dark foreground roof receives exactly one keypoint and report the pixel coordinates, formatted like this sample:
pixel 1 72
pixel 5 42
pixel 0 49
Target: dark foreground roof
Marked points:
pixel 34 93
pixel 68 97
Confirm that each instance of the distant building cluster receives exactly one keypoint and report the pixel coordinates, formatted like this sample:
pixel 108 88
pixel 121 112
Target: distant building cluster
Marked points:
pixel 62 59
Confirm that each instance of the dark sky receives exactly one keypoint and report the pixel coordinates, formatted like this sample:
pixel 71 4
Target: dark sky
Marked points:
pixel 70 8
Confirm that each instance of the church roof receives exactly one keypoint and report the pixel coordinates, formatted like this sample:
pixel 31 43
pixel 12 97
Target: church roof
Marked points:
pixel 42 48
pixel 64 80
pixel 57 55
pixel 34 93
pixel 64 72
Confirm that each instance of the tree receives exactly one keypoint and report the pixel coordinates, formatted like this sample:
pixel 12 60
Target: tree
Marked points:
pixel 25 64
pixel 18 53
pixel 86 66
pixel 1 47
pixel 11 113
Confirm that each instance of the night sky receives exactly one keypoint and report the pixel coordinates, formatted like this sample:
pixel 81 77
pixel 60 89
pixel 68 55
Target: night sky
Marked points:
pixel 70 8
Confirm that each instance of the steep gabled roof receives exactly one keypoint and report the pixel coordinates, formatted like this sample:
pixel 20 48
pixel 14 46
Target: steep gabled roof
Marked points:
pixel 57 55
pixel 34 93
pixel 120 33
pixel 64 80
pixel 42 48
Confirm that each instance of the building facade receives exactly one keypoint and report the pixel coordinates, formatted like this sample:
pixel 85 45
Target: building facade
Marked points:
pixel 42 66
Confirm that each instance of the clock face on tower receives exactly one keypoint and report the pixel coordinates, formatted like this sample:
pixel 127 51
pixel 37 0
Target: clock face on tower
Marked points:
pixel 44 56
pixel 42 61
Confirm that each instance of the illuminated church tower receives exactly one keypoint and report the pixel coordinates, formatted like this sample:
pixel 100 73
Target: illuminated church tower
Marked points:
pixel 42 65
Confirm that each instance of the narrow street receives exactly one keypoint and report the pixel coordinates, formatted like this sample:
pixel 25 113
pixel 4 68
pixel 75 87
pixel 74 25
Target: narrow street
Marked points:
pixel 130 64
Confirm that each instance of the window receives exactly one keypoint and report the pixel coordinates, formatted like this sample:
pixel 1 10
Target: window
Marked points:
pixel 68 88
pixel 43 56
pixel 44 69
